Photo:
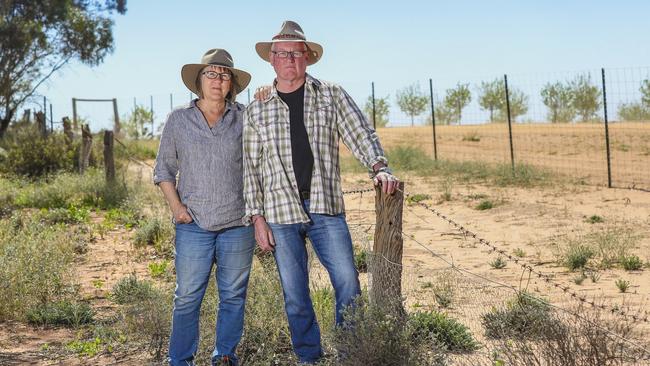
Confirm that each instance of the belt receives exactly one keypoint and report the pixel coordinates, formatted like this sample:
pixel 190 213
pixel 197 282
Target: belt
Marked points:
pixel 304 195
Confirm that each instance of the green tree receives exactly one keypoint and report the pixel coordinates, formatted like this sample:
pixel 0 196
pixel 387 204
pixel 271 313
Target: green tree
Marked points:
pixel 138 122
pixel 381 111
pixel 37 38
pixel 518 105
pixel 586 97
pixel 558 98
pixel 457 99
pixel 645 91
pixel 492 97
pixel 634 112
pixel 411 101
pixel 444 115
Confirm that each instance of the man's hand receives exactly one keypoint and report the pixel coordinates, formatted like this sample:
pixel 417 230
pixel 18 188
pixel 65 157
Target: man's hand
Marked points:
pixel 263 234
pixel 263 92
pixel 181 216
pixel 388 182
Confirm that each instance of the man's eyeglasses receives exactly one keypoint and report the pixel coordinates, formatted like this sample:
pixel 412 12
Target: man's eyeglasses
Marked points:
pixel 287 54
pixel 225 76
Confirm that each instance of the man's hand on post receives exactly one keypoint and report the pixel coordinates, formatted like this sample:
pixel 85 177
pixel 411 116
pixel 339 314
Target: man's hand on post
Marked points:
pixel 383 177
pixel 263 234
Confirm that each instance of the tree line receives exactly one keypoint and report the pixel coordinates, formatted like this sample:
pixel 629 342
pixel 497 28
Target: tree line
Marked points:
pixel 576 100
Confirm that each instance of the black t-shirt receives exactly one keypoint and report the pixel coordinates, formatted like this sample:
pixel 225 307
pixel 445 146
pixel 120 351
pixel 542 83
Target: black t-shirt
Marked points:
pixel 301 155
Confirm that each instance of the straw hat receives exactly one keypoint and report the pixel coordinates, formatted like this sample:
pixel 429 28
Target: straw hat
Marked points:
pixel 290 32
pixel 214 57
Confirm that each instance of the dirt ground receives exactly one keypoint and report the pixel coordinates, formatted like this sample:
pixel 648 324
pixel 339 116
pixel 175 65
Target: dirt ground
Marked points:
pixel 530 221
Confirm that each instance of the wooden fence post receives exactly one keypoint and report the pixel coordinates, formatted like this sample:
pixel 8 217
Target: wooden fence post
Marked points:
pixel 86 148
pixel 109 163
pixel 40 122
pixel 386 266
pixel 67 129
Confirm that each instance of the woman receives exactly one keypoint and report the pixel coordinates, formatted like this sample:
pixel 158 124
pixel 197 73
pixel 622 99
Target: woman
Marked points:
pixel 202 144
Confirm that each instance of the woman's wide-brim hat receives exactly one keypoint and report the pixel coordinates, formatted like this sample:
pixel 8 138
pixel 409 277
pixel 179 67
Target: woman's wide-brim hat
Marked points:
pixel 290 32
pixel 214 57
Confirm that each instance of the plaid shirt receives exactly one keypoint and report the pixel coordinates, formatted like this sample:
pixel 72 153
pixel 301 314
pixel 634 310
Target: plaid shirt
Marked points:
pixel 270 187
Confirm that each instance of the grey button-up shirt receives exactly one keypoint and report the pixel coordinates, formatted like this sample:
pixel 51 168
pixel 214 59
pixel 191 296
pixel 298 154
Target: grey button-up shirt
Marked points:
pixel 208 162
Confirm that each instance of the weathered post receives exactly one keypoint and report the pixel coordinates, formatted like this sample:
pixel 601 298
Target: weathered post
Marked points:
pixel 386 266
pixel 86 147
pixel 67 129
pixel 40 122
pixel 117 117
pixel 109 163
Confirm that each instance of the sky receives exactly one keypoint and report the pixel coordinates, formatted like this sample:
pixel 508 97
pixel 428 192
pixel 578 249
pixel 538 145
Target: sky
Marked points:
pixel 391 43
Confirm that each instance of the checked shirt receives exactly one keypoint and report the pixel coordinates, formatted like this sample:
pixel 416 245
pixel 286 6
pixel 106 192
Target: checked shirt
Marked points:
pixel 270 187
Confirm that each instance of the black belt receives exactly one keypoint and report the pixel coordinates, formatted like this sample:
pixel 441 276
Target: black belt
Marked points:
pixel 304 195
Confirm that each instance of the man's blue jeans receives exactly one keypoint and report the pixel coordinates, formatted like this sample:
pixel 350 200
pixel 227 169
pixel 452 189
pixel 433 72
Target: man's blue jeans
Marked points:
pixel 332 244
pixel 196 251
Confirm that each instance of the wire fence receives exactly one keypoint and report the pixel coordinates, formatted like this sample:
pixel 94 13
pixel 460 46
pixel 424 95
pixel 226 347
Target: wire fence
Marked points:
pixel 453 286
pixel 450 285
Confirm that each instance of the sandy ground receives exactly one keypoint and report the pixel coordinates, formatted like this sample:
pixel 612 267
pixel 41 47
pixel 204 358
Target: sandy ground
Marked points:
pixel 532 221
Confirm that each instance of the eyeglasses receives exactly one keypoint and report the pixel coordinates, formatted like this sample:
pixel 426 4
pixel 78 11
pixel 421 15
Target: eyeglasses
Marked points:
pixel 287 54
pixel 225 76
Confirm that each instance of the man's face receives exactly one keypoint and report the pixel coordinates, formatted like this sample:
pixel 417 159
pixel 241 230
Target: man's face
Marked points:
pixel 289 68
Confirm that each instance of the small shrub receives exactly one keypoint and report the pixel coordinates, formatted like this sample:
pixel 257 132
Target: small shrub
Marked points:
pixel 519 252
pixel 130 290
pixel 631 262
pixel 595 219
pixel 417 197
pixel 154 233
pixel 612 244
pixel 472 136
pixel 446 186
pixel 445 330
pixel 498 263
pixel 69 313
pixel 122 216
pixel 85 348
pixel 485 205
pixel 577 256
pixel 361 260
pixel 378 338
pixel 622 285
pixel 579 279
pixel 31 155
pixel 323 301
pixel 595 276
pixel 158 269
pixel 70 215
pixel 524 316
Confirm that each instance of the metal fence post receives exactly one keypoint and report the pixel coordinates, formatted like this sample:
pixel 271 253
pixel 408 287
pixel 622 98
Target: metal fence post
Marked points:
pixel 512 150
pixel 433 121
pixel 609 156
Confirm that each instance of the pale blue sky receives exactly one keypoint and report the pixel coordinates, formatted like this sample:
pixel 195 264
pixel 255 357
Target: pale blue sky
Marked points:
pixel 393 43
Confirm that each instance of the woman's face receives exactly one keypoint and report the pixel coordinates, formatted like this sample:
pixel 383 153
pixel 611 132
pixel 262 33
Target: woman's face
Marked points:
pixel 215 89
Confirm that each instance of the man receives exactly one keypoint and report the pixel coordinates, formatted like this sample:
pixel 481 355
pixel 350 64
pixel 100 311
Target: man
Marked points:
pixel 292 185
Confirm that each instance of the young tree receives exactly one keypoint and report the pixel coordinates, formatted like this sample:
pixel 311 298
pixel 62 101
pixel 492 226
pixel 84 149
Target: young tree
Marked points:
pixel 518 105
pixel 411 101
pixel 37 38
pixel 586 97
pixel 457 99
pixel 138 122
pixel 558 98
pixel 492 97
pixel 645 91
pixel 444 115
pixel 381 111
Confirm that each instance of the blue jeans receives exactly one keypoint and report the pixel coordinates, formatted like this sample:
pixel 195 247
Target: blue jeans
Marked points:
pixel 332 244
pixel 196 251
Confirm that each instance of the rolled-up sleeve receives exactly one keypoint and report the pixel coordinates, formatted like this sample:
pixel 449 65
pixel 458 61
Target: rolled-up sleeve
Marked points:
pixel 253 180
pixel 166 166
pixel 355 131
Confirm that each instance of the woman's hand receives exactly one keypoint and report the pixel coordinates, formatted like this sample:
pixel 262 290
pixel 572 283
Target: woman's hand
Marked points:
pixel 263 92
pixel 181 215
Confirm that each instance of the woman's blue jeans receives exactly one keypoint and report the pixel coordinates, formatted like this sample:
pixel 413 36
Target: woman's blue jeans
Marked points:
pixel 330 238
pixel 197 250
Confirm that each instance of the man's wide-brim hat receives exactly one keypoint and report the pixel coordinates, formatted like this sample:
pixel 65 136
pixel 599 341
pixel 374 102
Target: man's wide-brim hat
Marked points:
pixel 290 32
pixel 214 57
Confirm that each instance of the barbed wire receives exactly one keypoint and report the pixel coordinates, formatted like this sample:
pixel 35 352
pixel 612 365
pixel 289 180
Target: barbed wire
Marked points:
pixel 130 156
